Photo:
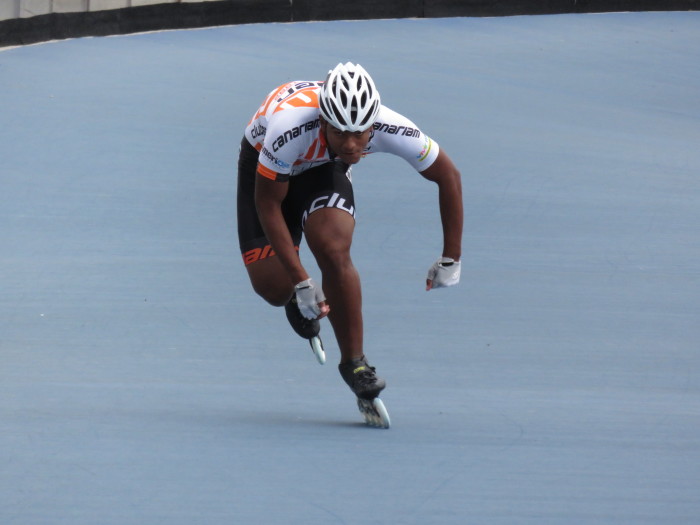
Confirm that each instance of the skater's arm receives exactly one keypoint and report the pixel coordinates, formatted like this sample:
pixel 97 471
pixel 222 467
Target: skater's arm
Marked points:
pixel 446 175
pixel 269 195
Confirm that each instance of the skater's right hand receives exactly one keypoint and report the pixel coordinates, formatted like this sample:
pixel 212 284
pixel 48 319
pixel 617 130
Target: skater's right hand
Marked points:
pixel 310 300
pixel 444 272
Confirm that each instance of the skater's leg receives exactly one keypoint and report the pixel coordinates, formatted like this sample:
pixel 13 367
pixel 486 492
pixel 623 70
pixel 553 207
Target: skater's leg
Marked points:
pixel 271 281
pixel 267 276
pixel 329 234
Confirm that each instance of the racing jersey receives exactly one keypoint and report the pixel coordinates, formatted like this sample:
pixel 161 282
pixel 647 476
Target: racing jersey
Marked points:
pixel 286 132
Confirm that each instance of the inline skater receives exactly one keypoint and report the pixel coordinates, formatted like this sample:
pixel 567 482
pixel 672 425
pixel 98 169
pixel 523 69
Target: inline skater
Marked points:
pixel 294 179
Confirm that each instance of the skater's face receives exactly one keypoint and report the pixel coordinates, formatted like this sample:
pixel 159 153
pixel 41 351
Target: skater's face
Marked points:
pixel 347 145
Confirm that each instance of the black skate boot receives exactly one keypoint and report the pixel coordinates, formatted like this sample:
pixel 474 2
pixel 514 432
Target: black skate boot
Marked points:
pixel 361 378
pixel 306 328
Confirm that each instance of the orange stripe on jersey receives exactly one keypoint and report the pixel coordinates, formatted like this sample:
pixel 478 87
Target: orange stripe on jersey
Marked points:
pixel 311 153
pixel 270 98
pixel 316 151
pixel 324 144
pixel 267 172
pixel 305 98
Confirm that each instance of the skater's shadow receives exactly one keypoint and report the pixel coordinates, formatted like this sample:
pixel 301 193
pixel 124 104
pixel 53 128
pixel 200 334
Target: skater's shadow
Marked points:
pixel 283 419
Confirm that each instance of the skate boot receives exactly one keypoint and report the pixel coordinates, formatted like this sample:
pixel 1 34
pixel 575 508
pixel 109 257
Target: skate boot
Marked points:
pixel 306 328
pixel 361 378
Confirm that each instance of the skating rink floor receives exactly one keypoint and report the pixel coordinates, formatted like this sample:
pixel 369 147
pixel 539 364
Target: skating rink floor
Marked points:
pixel 143 382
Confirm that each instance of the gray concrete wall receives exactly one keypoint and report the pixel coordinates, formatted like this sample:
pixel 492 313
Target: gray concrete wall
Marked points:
pixel 28 8
pixel 30 21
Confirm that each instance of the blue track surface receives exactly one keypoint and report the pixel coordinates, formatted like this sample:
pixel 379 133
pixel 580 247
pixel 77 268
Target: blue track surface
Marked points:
pixel 142 381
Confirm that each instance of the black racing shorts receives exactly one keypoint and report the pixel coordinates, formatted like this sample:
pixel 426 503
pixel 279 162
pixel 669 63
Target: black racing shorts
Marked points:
pixel 325 186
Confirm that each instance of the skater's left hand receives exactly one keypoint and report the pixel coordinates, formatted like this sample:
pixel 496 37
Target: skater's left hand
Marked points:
pixel 444 272
pixel 310 300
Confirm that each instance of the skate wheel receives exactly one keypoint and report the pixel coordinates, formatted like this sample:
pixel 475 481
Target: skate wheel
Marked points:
pixel 384 420
pixel 374 412
pixel 317 347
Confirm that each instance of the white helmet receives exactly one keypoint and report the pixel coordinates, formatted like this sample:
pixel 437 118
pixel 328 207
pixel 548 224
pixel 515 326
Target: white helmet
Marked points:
pixel 348 99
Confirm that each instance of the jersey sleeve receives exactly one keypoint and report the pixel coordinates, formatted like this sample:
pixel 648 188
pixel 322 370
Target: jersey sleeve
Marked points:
pixel 273 167
pixel 276 157
pixel 396 134
pixel 291 138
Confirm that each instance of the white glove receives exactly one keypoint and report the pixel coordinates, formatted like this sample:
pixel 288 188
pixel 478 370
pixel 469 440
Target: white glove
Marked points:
pixel 445 272
pixel 308 296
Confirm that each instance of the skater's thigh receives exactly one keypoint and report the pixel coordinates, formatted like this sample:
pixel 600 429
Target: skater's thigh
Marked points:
pixel 330 215
pixel 329 231
pixel 251 236
pixel 327 206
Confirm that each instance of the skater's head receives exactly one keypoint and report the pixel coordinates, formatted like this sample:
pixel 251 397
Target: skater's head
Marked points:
pixel 349 101
pixel 349 104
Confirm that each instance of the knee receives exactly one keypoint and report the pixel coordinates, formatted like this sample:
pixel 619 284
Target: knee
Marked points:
pixel 268 281
pixel 329 236
pixel 333 258
pixel 273 295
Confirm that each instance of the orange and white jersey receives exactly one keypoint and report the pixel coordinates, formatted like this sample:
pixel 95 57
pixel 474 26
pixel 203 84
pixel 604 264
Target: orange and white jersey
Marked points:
pixel 286 132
